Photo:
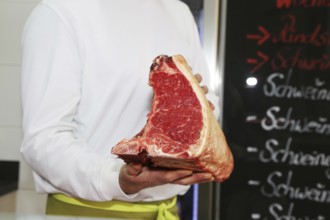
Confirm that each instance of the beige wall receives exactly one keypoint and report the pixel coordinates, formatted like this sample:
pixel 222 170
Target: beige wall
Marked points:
pixel 13 14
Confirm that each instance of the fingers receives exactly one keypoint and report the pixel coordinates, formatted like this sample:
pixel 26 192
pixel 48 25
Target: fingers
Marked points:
pixel 199 77
pixel 195 178
pixel 135 177
pixel 127 178
pixel 134 169
pixel 211 105
pixel 205 89
pixel 174 175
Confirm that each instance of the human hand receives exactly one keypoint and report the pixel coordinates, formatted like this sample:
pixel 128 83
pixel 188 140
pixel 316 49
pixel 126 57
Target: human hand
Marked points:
pixel 205 88
pixel 134 177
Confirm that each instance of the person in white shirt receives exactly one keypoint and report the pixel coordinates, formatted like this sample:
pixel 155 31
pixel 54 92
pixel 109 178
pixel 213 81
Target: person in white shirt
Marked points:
pixel 84 88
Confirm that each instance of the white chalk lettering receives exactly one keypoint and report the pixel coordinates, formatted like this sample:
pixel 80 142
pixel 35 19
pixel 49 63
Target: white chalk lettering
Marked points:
pixel 277 85
pixel 327 173
pixel 304 125
pixel 279 187
pixel 274 153
pixel 278 213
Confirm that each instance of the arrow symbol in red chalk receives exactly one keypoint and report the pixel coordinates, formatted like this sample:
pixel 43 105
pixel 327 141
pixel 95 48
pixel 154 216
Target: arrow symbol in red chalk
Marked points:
pixel 261 38
pixel 258 63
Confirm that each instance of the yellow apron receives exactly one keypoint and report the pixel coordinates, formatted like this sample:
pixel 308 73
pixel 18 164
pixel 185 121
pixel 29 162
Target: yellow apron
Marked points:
pixel 163 209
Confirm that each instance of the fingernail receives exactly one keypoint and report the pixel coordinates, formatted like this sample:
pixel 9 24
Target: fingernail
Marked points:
pixel 187 172
pixel 209 176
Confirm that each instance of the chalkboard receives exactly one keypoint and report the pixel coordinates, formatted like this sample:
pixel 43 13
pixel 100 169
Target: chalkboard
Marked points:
pixel 277 110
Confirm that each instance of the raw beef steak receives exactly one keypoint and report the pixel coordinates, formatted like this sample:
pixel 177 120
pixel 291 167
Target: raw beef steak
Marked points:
pixel 181 130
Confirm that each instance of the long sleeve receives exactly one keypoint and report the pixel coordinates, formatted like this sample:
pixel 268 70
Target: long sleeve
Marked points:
pixel 51 92
pixel 85 87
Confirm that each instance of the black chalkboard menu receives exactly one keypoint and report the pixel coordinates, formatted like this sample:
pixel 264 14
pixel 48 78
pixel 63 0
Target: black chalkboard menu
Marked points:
pixel 277 110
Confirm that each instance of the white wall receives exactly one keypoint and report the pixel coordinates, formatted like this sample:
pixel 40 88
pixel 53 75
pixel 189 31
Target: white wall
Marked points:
pixel 13 14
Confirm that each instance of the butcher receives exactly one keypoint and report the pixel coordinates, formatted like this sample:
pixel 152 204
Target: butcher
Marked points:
pixel 85 66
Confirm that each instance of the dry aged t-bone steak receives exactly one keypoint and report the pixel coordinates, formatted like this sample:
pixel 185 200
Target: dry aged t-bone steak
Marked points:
pixel 181 130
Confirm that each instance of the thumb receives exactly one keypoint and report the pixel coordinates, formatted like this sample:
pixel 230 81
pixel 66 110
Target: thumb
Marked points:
pixel 134 169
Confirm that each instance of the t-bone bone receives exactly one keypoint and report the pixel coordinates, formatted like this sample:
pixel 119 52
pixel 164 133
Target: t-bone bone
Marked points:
pixel 181 131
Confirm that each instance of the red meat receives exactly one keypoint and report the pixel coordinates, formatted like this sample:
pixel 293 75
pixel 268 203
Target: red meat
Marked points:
pixel 181 131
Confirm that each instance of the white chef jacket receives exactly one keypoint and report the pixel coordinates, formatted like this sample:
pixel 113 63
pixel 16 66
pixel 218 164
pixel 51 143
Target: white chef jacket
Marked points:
pixel 85 87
